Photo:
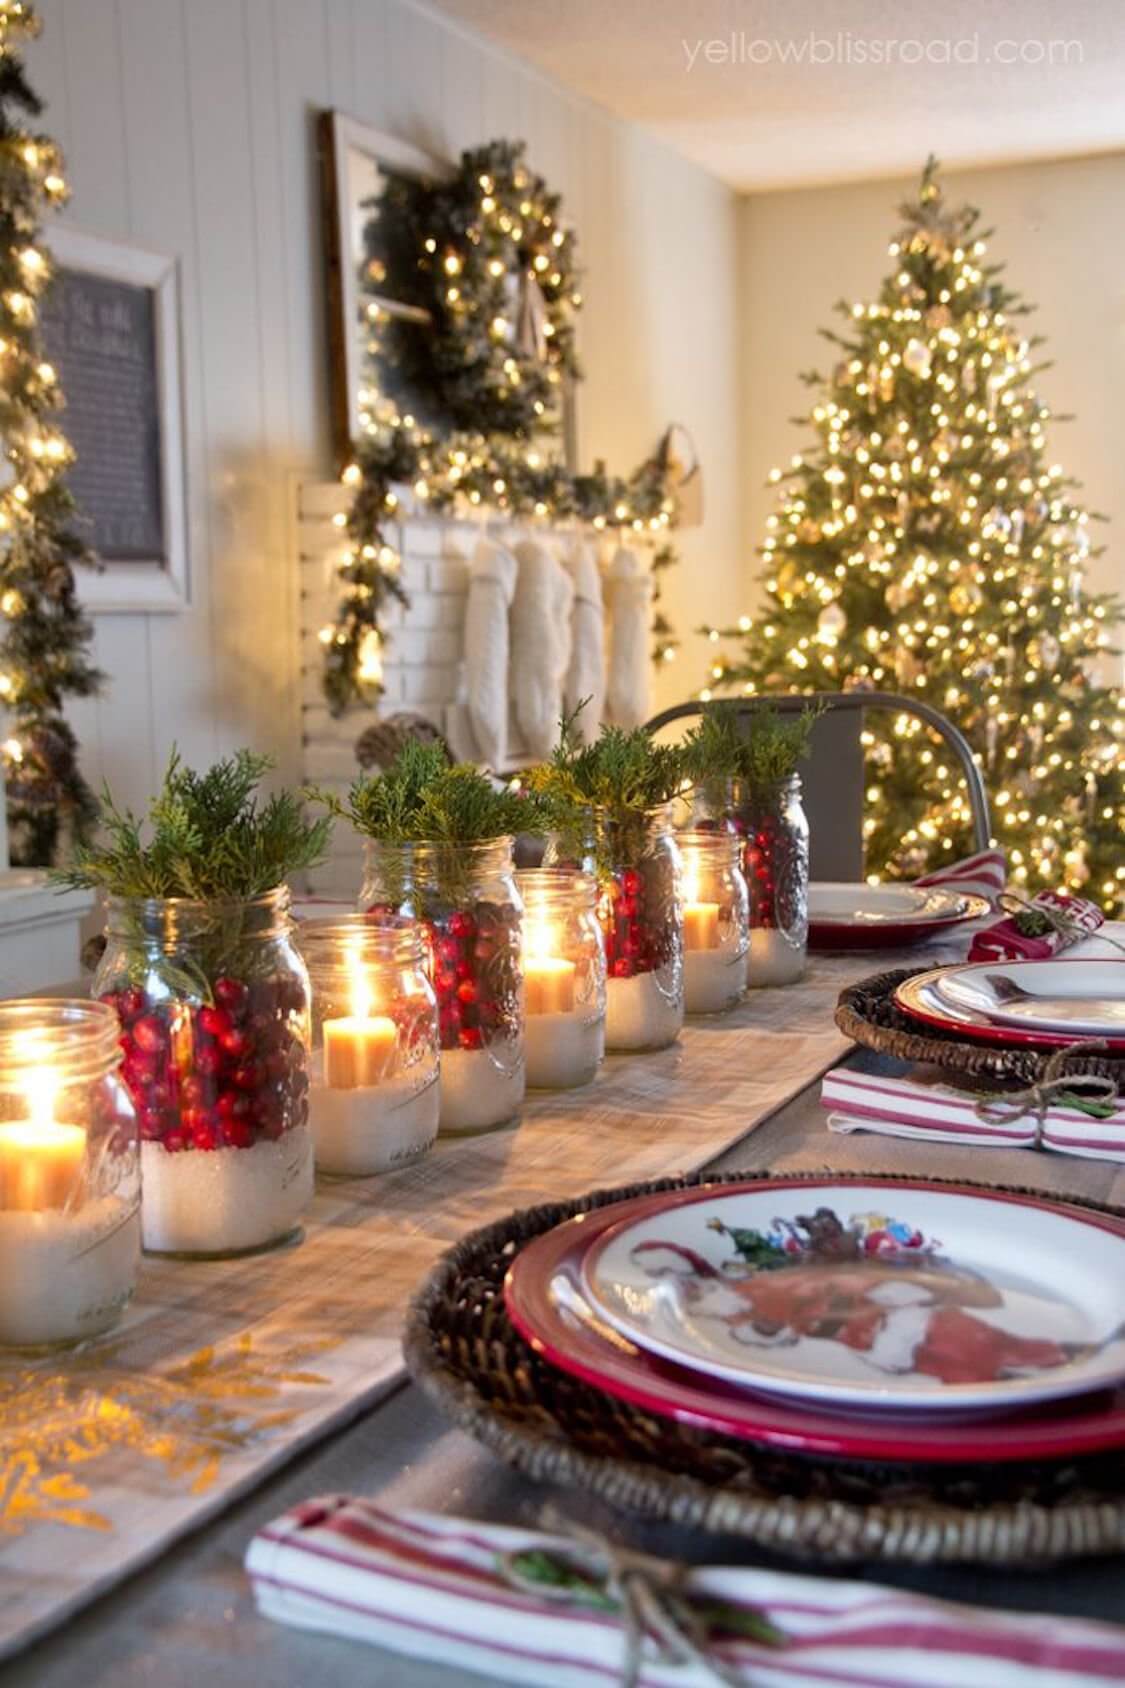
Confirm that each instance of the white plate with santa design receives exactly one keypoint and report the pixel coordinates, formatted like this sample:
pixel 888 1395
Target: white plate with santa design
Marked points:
pixel 861 1296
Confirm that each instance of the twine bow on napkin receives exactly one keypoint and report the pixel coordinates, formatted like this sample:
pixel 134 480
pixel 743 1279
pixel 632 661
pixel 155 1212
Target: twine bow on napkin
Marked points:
pixel 1091 1093
pixel 649 1594
pixel 1034 918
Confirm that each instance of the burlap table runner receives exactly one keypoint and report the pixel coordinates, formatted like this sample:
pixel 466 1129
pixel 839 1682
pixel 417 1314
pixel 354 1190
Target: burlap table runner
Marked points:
pixel 223 1370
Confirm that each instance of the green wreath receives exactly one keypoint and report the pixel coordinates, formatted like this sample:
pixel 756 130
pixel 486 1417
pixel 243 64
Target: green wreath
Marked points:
pixel 503 292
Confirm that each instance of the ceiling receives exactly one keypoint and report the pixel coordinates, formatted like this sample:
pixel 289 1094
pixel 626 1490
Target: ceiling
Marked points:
pixel 779 93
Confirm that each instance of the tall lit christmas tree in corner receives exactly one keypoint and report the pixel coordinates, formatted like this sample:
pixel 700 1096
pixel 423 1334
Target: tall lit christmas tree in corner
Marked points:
pixel 926 545
pixel 44 636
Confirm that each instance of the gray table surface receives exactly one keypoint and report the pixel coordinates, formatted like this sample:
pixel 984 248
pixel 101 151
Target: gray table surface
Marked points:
pixel 190 1619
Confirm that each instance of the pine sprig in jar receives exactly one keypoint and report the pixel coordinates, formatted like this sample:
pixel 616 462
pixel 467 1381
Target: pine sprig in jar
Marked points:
pixel 743 760
pixel 610 807
pixel 213 1002
pixel 439 849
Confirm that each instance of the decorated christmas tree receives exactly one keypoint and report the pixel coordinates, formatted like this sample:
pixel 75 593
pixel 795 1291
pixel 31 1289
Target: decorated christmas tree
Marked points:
pixel 927 545
pixel 44 635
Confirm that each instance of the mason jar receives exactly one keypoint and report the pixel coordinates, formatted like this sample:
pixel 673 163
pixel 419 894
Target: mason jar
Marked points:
pixel 641 910
pixel 465 895
pixel 70 1226
pixel 709 806
pixel 213 1001
pixel 776 863
pixel 716 921
pixel 374 1093
pixel 564 978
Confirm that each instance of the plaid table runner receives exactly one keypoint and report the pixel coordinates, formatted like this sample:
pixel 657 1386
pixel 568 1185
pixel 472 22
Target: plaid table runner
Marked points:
pixel 221 1371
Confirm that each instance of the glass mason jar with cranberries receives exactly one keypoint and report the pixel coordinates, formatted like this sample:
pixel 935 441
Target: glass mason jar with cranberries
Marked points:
pixel 466 897
pixel 641 911
pixel 213 1002
pixel 775 830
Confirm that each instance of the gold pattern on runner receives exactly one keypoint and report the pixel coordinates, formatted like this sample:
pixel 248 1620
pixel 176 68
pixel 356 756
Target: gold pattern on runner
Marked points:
pixel 184 1420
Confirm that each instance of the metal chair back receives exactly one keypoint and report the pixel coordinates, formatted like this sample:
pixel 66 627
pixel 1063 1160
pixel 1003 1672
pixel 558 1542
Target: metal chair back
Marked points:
pixel 833 776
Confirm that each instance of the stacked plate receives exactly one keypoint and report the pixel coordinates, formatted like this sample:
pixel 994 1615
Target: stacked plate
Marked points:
pixel 895 1321
pixel 1047 1004
pixel 843 916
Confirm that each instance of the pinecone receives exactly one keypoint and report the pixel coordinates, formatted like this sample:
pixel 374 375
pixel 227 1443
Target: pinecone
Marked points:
pixel 378 745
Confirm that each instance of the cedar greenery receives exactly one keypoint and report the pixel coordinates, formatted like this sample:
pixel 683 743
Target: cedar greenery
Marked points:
pixel 211 837
pixel 421 798
pixel 598 797
pixel 755 744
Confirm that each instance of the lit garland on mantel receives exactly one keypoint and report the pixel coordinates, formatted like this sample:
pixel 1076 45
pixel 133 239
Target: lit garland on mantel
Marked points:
pixel 44 635
pixel 469 473
pixel 494 226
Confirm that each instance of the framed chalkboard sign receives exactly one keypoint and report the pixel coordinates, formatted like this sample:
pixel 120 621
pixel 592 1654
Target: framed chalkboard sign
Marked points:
pixel 111 329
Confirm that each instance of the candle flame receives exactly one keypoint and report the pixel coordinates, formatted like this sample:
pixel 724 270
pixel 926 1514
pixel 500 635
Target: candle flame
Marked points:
pixel 541 938
pixel 362 996
pixel 41 1086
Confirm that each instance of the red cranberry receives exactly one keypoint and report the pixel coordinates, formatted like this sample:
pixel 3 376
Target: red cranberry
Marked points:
pixel 622 969
pixel 159 1097
pixel 631 882
pixel 131 1003
pixel 238 1133
pixel 150 1034
pixel 466 991
pixel 205 1137
pixel 276 1064
pixel 214 1021
pixel 233 1104
pixel 152 1123
pixel 462 924
pixel 471 1037
pixel 248 1076
pixel 236 1044
pixel 267 1031
pixel 230 994
pixel 273 1128
pixel 195 1090
pixel 174 1142
pixel 208 1060
pixel 140 1070
pixel 445 981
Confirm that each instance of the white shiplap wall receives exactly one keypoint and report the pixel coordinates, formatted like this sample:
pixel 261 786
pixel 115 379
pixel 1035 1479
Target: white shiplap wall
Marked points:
pixel 188 128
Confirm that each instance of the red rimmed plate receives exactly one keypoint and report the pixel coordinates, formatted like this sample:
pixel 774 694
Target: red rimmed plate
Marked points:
pixel 547 1304
pixel 857 916
pixel 927 998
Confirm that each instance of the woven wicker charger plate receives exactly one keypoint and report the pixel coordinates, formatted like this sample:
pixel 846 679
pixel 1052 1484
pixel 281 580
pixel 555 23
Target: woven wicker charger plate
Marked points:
pixel 867 1013
pixel 463 1351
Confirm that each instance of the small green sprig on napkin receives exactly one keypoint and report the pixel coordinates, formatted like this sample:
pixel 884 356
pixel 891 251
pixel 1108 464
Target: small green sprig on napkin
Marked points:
pixel 211 837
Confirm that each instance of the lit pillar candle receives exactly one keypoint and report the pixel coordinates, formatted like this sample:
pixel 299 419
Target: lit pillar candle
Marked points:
pixel 369 1110
pixel 41 1164
pixel 562 1043
pixel 548 985
pixel 701 926
pixel 359 1050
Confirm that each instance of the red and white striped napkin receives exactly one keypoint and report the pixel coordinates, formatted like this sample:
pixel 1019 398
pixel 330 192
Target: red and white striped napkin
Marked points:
pixel 432 1588
pixel 982 875
pixel 1003 941
pixel 928 1107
